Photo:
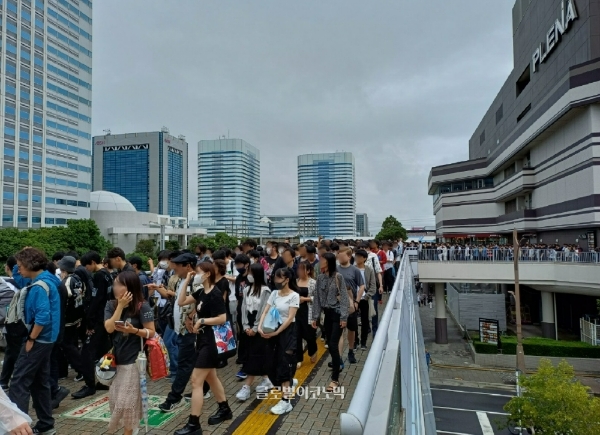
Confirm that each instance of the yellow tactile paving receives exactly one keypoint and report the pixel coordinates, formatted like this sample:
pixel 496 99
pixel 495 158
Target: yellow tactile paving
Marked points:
pixel 260 420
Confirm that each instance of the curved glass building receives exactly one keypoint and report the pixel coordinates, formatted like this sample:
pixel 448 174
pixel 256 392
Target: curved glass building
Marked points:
pixel 327 195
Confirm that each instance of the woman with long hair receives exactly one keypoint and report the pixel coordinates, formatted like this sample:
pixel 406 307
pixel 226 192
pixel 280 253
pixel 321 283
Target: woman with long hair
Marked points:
pixel 258 356
pixel 286 300
pixel 331 298
pixel 210 311
pixel 306 290
pixel 129 320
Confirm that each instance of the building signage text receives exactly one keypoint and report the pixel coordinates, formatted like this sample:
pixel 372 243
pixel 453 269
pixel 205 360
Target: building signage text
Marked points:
pixel 176 151
pixel 554 34
pixel 143 146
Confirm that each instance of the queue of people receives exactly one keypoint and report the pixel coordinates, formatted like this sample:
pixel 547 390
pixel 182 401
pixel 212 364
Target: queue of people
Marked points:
pixel 72 310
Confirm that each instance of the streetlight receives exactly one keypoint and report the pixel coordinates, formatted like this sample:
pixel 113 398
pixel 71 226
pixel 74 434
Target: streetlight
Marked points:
pixel 520 353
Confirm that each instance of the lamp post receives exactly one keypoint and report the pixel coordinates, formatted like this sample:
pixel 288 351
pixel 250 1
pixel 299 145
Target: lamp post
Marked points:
pixel 163 222
pixel 520 354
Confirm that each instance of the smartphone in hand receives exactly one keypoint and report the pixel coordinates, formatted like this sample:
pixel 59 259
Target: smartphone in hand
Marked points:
pixel 120 323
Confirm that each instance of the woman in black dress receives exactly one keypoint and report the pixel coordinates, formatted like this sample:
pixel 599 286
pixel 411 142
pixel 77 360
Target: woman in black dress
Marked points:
pixel 210 311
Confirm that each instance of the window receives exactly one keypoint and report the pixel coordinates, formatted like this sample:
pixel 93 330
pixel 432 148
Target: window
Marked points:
pixel 8 196
pixel 23 155
pixel 499 113
pixel 7 218
pixel 23 197
pixel 25 76
pixel 8 131
pixel 524 112
pixel 24 114
pixel 61 221
pixel 49 221
pixel 37 178
pixel 9 152
pixel 9 172
pixel 10 111
pixel 482 138
pixel 36 220
pixel 37 158
pixel 36 198
pixel 50 200
pixel 523 80
pixel 510 206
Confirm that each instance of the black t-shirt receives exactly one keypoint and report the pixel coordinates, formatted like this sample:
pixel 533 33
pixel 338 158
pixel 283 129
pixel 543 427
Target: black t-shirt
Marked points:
pixel 223 286
pixel 101 293
pixel 208 305
pixel 127 346
pixel 241 282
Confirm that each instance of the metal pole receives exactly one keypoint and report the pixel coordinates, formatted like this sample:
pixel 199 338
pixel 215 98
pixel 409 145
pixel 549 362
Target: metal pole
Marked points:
pixel 162 237
pixel 520 354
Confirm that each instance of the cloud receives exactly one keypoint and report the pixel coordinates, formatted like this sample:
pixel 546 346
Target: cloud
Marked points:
pixel 400 84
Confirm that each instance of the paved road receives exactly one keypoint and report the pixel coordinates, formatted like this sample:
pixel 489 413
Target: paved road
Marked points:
pixel 469 411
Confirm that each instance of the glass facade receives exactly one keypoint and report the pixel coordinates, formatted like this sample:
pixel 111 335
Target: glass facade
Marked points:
pixel 126 172
pixel 326 194
pixel 147 168
pixel 46 76
pixel 229 185
pixel 176 183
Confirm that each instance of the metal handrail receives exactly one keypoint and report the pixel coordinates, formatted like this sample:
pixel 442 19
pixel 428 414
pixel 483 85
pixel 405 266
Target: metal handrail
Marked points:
pixel 398 340
pixel 526 255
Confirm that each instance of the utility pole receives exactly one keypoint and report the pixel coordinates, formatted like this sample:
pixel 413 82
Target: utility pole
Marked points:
pixel 520 353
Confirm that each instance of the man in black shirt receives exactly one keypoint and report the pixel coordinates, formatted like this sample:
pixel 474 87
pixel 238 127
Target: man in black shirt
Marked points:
pixel 96 343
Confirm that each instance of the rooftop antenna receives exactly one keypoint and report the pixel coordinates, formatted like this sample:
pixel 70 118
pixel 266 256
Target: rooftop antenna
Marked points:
pixel 181 136
pixel 164 129
pixel 106 132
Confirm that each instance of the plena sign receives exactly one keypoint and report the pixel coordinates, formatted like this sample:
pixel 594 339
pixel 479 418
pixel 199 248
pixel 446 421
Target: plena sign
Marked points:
pixel 554 34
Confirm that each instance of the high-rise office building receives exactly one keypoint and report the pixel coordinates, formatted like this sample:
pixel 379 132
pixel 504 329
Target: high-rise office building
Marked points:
pixel 327 194
pixel 362 225
pixel 149 169
pixel 229 185
pixel 46 81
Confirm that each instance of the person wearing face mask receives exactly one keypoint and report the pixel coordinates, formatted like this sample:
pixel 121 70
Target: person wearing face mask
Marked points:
pixel 184 335
pixel 286 300
pixel 242 265
pixel 210 312
pixel 258 357
pixel 272 257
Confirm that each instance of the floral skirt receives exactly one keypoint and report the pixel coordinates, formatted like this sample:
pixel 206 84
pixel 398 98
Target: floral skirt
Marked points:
pixel 125 399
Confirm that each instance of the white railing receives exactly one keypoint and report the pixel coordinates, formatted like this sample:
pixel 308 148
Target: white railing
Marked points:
pixel 393 394
pixel 590 332
pixel 506 255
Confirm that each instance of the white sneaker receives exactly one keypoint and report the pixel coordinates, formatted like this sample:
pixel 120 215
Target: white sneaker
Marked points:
pixel 265 386
pixel 282 407
pixel 244 393
pixel 207 395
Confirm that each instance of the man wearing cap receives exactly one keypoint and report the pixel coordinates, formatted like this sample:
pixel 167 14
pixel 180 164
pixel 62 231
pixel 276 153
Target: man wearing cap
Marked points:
pixel 74 314
pixel 183 329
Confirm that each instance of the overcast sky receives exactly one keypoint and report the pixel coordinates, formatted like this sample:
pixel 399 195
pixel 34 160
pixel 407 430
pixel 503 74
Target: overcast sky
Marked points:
pixel 400 84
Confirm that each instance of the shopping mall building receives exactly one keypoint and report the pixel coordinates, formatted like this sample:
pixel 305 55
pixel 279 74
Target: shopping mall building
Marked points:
pixel 534 165
pixel 534 159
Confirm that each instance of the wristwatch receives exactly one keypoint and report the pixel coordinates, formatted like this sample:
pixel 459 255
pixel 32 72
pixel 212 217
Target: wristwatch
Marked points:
pixel 30 338
pixel 202 321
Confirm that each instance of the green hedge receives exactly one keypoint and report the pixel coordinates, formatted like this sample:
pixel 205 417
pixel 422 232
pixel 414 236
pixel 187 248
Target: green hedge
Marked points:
pixel 537 346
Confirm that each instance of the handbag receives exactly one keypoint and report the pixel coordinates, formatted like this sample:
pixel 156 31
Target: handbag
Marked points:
pixel 106 369
pixel 225 341
pixel 272 319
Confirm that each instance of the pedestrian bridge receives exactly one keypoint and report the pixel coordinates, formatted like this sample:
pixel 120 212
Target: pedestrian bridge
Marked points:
pixel 558 274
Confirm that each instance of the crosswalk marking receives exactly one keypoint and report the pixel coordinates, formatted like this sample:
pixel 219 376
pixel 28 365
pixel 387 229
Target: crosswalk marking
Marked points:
pixel 470 410
pixel 484 421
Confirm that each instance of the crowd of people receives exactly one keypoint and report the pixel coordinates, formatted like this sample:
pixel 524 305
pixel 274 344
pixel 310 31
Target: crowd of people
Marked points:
pixel 71 311
pixel 502 252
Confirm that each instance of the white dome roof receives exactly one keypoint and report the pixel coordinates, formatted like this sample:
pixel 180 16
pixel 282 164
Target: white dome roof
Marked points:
pixel 109 201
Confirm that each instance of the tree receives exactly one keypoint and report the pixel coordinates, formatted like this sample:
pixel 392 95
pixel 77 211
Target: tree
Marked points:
pixel 172 245
pixel 554 402
pixel 391 229
pixel 146 247
pixel 214 243
pixel 80 235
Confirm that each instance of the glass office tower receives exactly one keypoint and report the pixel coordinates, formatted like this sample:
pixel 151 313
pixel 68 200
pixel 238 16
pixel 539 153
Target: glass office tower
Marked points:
pixel 326 194
pixel 149 169
pixel 229 185
pixel 46 82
